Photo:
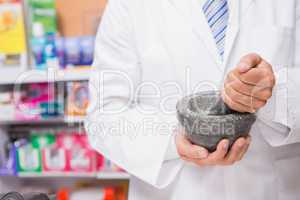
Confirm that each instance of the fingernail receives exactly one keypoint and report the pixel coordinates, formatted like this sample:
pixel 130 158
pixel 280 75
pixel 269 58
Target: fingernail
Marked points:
pixel 248 140
pixel 243 67
pixel 241 145
pixel 226 146
pixel 202 154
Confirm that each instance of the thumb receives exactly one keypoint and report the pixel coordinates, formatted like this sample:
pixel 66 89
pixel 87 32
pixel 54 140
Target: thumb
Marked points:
pixel 187 149
pixel 244 67
pixel 248 62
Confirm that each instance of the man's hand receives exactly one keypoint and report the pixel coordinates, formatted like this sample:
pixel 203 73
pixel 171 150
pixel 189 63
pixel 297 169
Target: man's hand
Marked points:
pixel 248 87
pixel 222 156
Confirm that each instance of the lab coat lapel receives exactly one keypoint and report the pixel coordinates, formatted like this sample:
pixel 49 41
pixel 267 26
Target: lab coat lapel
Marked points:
pixel 237 10
pixel 177 36
pixel 192 12
pixel 193 15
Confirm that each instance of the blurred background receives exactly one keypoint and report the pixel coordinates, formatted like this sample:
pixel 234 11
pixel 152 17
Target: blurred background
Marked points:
pixel 46 52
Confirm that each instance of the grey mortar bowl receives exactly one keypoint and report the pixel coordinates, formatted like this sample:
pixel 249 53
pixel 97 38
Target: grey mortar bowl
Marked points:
pixel 207 120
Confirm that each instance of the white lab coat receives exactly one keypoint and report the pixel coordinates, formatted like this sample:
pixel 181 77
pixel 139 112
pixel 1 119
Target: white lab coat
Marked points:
pixel 161 50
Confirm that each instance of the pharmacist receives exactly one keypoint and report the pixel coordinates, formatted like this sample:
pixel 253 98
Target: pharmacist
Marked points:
pixel 150 53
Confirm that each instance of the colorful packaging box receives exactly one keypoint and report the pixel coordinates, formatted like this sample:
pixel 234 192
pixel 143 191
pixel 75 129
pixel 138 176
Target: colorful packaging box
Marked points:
pixel 40 101
pixel 29 151
pixel 54 159
pixel 7 106
pixel 80 158
pixel 7 157
pixel 43 33
pixel 13 48
pixel 77 98
pixel 28 157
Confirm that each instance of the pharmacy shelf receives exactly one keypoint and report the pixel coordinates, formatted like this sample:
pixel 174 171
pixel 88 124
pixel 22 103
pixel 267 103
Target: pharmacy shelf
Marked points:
pixel 32 122
pixel 74 119
pixel 113 175
pixel 50 121
pixel 12 77
pixel 98 175
pixel 56 175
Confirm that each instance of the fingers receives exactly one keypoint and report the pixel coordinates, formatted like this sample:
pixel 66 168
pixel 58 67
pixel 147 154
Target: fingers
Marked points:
pixel 236 152
pixel 259 77
pixel 261 93
pixel 245 149
pixel 252 102
pixel 248 62
pixel 217 157
pixel 241 94
pixel 234 105
pixel 261 72
pixel 187 150
pixel 221 156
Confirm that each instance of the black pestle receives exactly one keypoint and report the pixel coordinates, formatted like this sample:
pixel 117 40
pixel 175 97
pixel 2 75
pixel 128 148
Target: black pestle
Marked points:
pixel 207 120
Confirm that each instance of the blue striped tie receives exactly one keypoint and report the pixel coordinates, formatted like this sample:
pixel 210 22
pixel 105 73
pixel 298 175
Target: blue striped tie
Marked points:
pixel 217 14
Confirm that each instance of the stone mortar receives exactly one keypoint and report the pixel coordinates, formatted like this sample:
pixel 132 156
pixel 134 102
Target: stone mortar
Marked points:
pixel 207 120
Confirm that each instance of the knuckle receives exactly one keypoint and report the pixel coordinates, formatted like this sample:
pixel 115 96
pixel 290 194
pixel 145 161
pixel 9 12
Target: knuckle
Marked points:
pixel 263 103
pixel 268 65
pixel 226 88
pixel 253 90
pixel 228 101
pixel 240 86
pixel 248 100
pixel 235 95
pixel 230 75
pixel 239 109
pixel 235 85
pixel 213 161
pixel 265 73
pixel 226 84
pixel 267 94
pixel 181 154
pixel 229 162
pixel 232 162
pixel 223 163
pixel 259 104
pixel 183 158
pixel 250 57
pixel 252 104
pixel 272 80
pixel 244 79
pixel 240 158
pixel 199 163
pixel 250 109
pixel 180 150
pixel 233 107
pixel 254 55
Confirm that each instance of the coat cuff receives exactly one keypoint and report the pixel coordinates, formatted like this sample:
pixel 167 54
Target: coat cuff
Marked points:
pixel 282 112
pixel 141 152
pixel 172 153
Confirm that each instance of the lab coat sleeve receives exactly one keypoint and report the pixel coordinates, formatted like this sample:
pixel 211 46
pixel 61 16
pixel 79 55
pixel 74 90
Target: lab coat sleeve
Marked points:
pixel 282 112
pixel 133 138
